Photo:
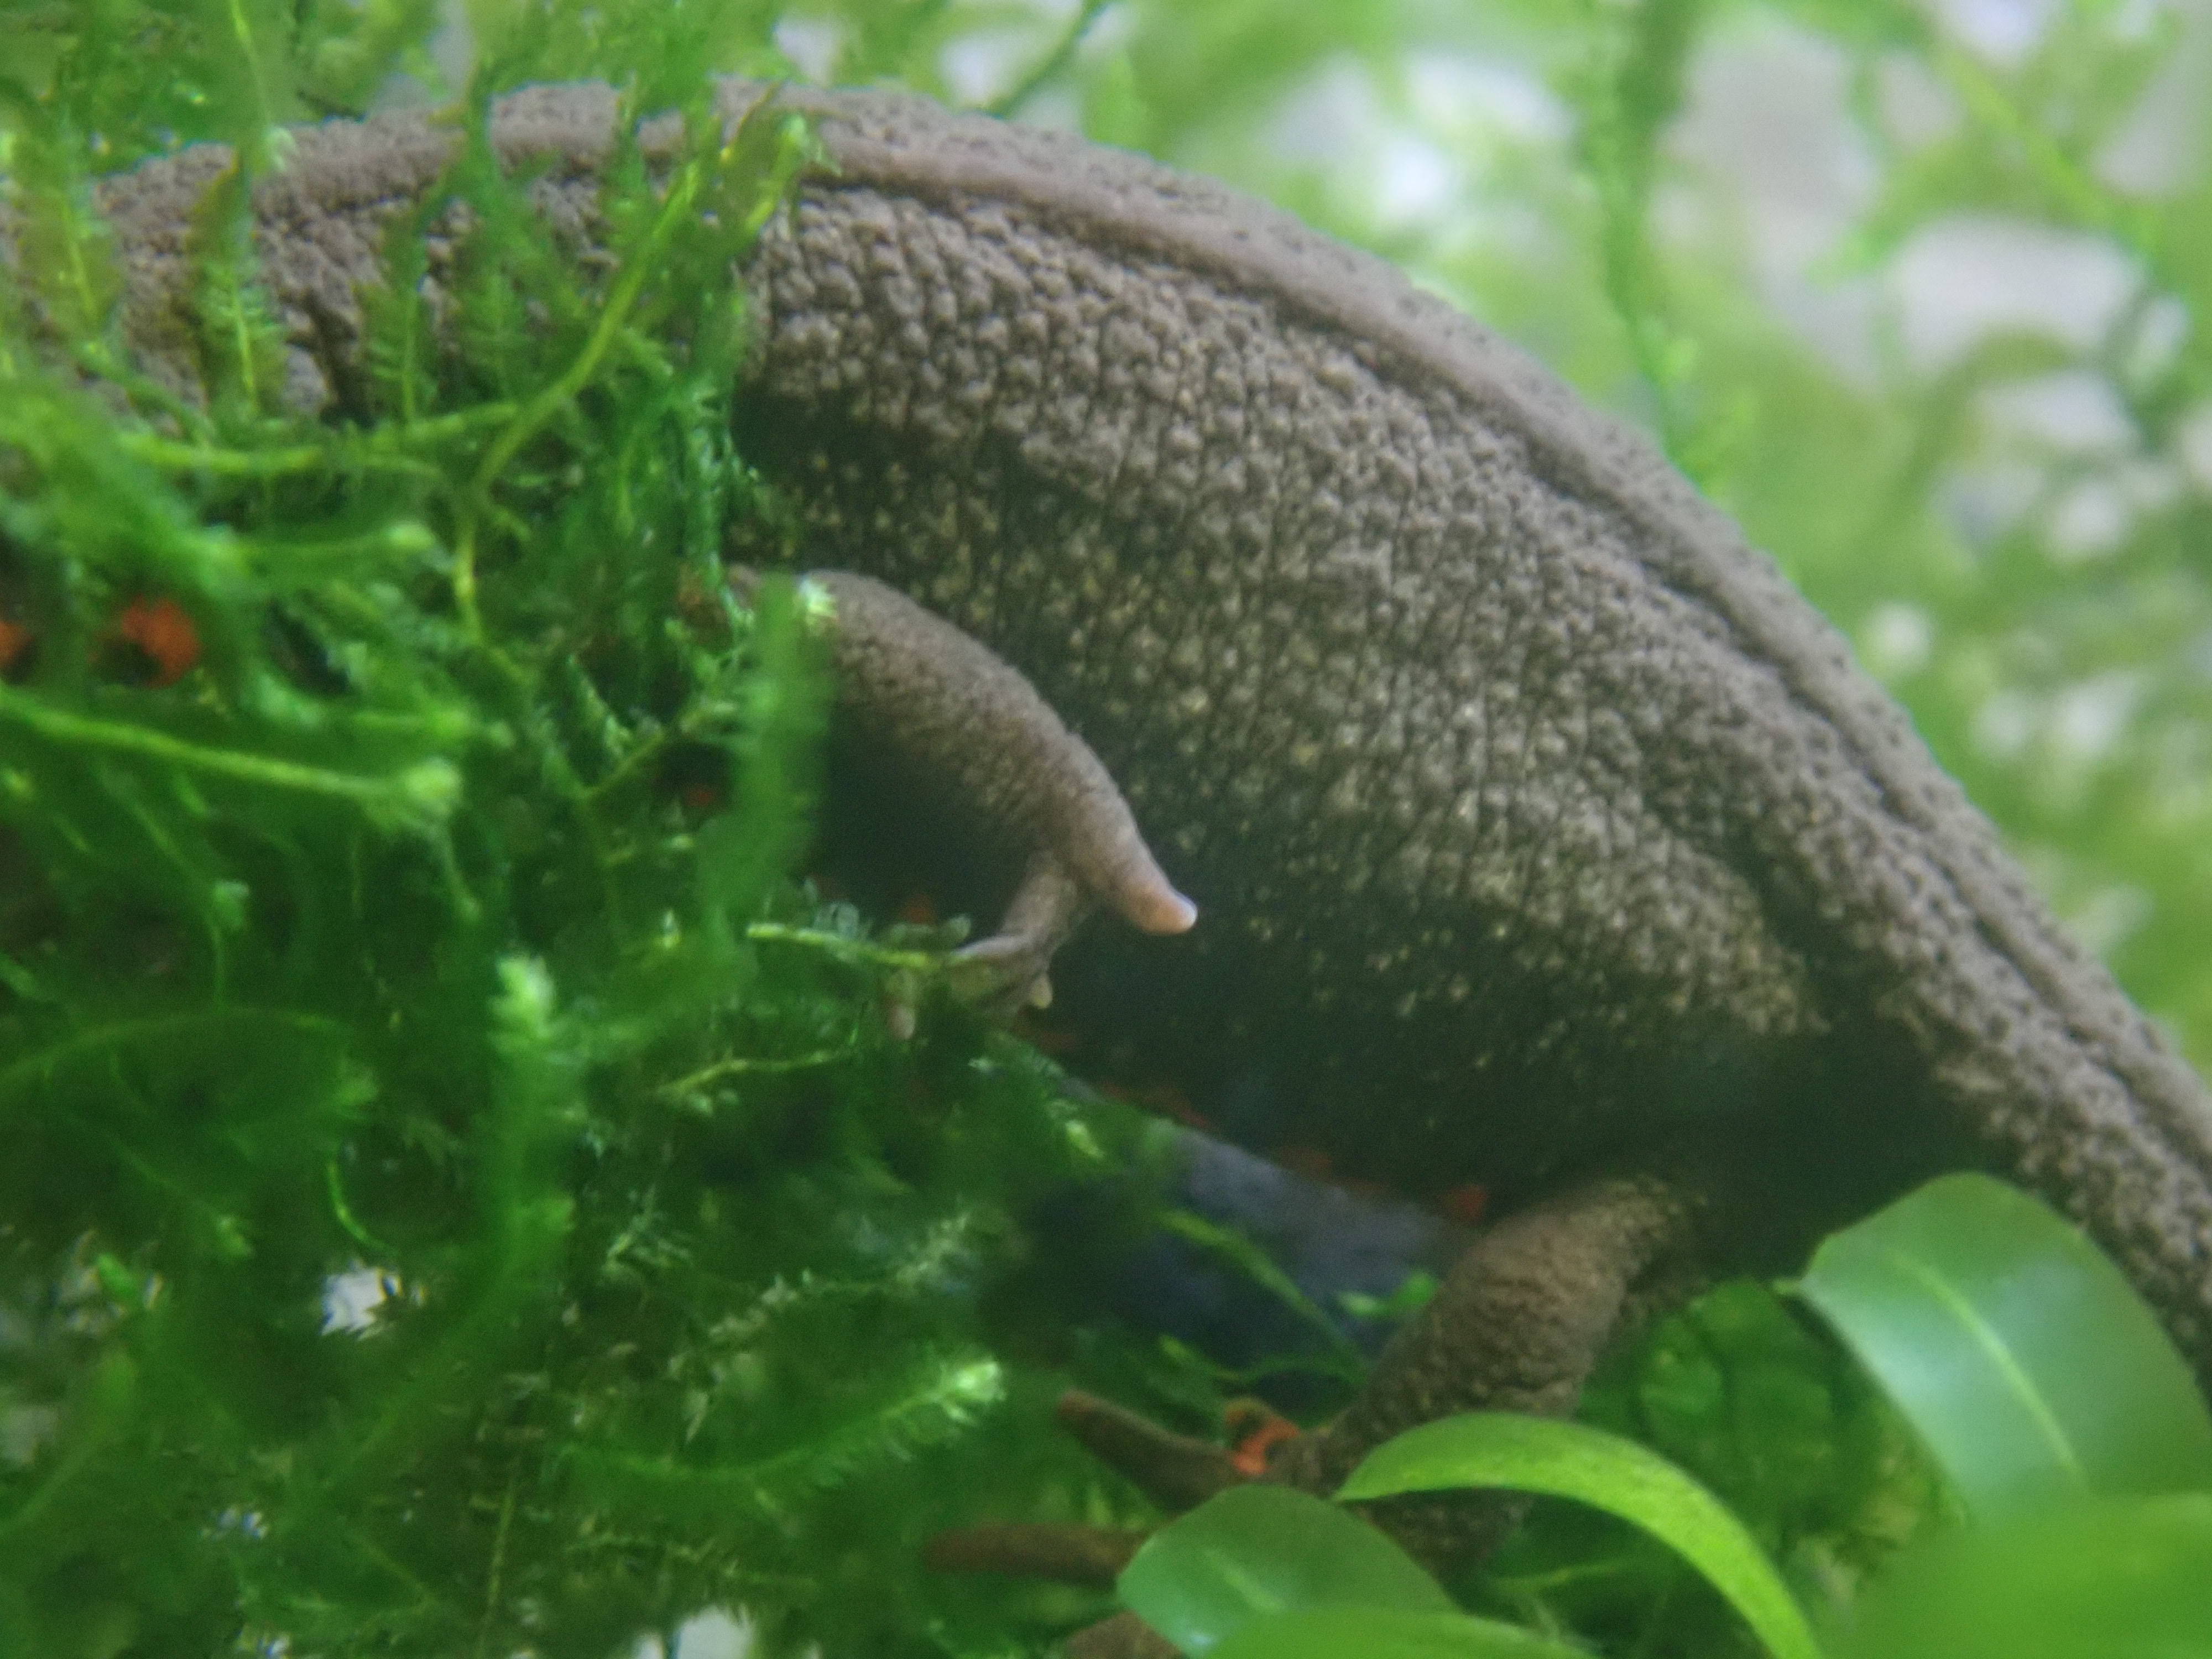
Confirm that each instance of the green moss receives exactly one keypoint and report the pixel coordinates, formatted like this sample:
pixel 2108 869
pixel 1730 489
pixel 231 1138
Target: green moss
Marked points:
pixel 460 1196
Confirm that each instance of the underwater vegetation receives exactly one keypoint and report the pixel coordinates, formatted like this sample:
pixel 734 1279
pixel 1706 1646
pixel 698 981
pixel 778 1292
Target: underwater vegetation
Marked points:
pixel 460 1192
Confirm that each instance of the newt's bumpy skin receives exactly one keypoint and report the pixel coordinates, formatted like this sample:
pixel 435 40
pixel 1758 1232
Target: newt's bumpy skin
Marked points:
pixel 1535 820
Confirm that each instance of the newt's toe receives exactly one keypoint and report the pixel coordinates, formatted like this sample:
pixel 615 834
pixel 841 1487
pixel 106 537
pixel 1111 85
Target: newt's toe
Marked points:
pixel 1148 901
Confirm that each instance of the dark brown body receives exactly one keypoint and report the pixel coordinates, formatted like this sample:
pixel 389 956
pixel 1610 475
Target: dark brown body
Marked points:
pixel 1535 824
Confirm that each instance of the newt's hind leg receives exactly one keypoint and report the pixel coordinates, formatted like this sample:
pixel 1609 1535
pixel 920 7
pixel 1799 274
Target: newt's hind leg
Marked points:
pixel 1517 1325
pixel 950 707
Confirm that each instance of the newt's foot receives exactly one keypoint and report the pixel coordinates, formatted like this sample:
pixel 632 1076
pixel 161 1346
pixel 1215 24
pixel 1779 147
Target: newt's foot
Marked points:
pixel 957 711
pixel 1011 968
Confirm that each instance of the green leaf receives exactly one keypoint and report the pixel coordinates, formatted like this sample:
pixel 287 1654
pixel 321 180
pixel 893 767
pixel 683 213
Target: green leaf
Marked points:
pixel 2027 1363
pixel 1387 1633
pixel 1567 1460
pixel 1257 1550
pixel 2115 1578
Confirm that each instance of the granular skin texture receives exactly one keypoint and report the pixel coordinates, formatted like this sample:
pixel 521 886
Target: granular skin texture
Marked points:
pixel 1536 825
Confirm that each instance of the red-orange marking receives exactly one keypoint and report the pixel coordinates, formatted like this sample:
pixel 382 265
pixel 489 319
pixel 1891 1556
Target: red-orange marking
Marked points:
pixel 163 630
pixel 1464 1205
pixel 15 640
pixel 1258 1430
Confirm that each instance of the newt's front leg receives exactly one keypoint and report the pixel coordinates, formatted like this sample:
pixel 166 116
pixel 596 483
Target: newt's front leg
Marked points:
pixel 951 707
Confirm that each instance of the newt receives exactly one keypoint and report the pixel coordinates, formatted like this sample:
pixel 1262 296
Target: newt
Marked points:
pixel 1541 838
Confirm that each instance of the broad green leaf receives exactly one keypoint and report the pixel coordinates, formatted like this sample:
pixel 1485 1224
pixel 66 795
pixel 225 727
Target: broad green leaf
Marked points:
pixel 1385 1633
pixel 1567 1460
pixel 2110 1579
pixel 2028 1365
pixel 1257 1550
